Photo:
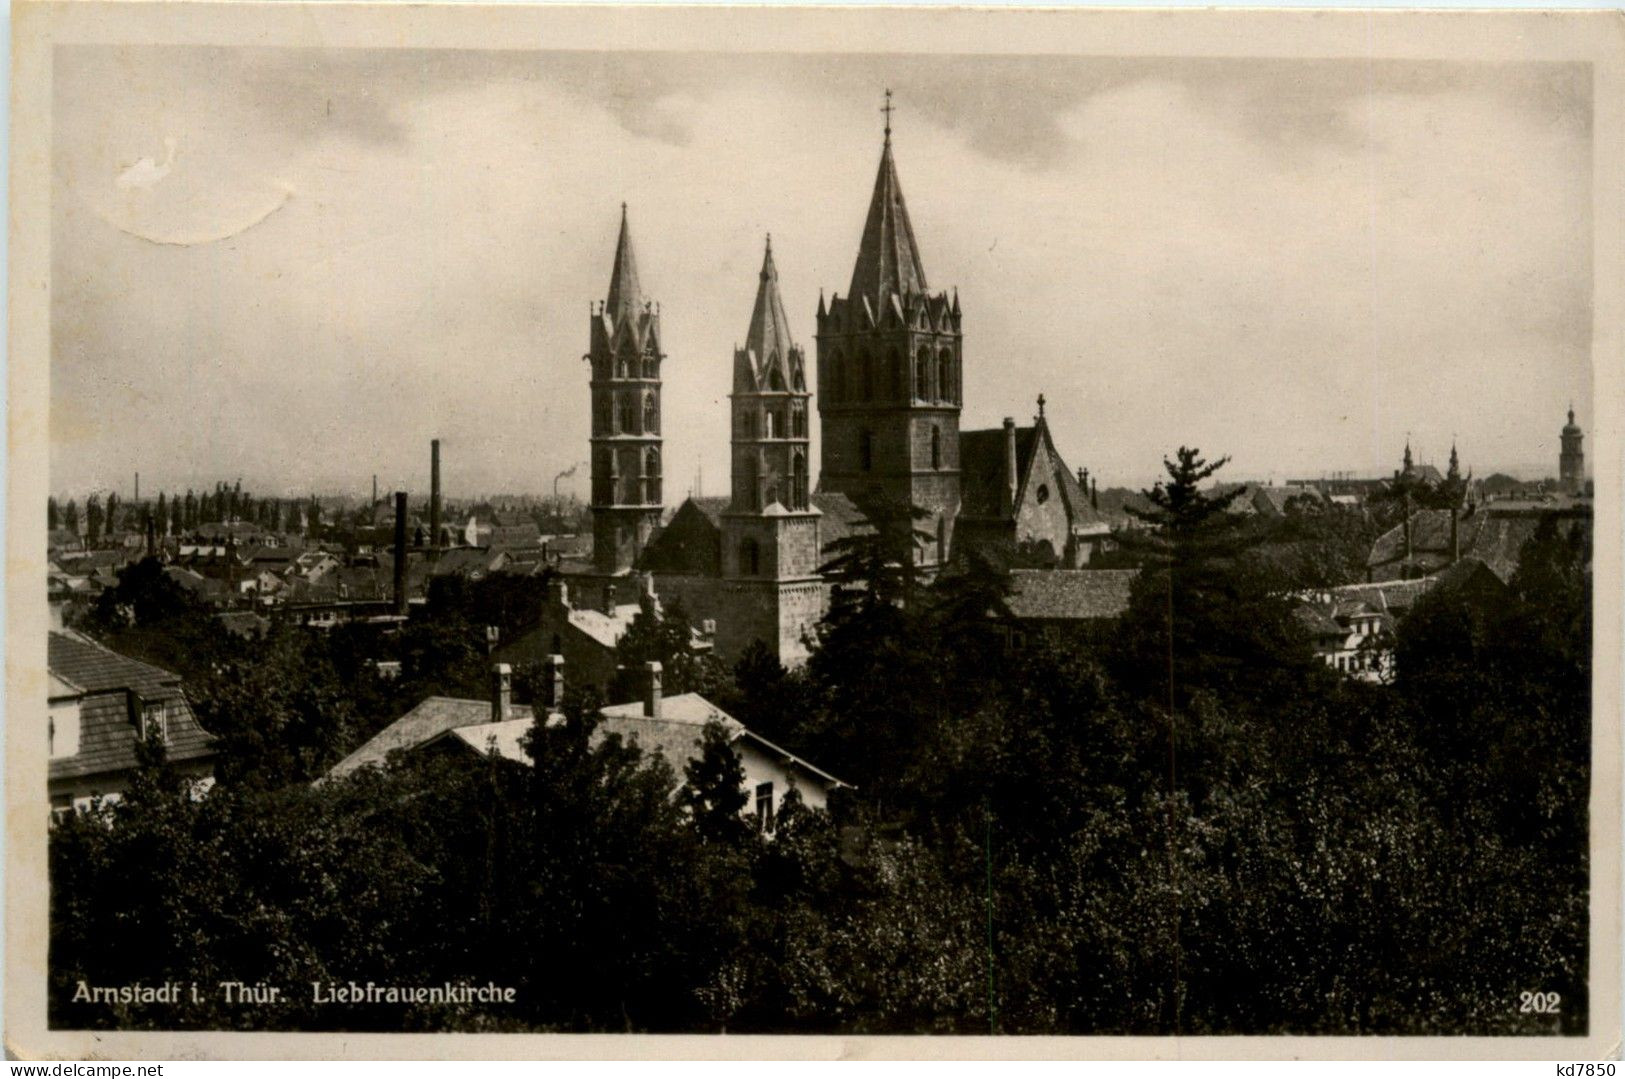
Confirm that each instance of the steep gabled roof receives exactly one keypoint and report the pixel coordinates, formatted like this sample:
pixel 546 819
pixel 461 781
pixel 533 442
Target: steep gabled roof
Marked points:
pixel 982 476
pixel 888 258
pixel 107 730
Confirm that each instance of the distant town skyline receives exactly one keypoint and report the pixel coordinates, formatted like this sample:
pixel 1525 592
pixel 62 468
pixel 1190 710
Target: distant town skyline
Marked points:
pixel 297 267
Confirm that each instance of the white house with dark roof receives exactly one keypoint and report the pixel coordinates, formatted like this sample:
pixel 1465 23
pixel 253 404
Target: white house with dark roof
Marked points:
pixel 99 705
pixel 671 727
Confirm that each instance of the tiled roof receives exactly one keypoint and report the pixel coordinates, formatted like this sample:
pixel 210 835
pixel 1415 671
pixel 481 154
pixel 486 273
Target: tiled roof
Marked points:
pixel 107 731
pixel 675 735
pixel 982 477
pixel 841 517
pixel 1069 594
pixel 691 542
pixel 1274 499
pixel 432 717
pixel 606 629
pixel 1494 538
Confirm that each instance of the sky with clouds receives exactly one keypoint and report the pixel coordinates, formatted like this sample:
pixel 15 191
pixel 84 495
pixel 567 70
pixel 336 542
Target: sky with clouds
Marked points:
pixel 296 266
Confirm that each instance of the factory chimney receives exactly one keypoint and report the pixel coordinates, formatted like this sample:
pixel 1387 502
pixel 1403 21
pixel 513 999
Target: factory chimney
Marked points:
pixel 400 553
pixel 434 495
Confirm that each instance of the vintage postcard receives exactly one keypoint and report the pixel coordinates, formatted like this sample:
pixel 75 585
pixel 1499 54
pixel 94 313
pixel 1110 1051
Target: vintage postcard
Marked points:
pixel 1069 533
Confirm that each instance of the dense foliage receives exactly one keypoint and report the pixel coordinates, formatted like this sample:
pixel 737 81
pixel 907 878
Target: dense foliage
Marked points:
pixel 1194 828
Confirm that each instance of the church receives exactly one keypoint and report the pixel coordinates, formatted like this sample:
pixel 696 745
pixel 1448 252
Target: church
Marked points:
pixel 890 389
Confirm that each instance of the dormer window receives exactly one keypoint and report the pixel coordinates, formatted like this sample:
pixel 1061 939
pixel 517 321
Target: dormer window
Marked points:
pixel 155 722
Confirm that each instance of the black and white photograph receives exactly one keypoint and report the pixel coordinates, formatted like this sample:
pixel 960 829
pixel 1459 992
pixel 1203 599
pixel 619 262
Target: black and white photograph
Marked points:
pixel 853 526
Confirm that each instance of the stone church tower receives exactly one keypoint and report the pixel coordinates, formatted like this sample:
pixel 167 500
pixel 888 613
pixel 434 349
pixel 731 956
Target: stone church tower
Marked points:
pixel 1571 462
pixel 889 374
pixel 770 540
pixel 626 467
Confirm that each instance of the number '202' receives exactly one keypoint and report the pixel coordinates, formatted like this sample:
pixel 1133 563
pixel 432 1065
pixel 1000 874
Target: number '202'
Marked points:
pixel 1540 1003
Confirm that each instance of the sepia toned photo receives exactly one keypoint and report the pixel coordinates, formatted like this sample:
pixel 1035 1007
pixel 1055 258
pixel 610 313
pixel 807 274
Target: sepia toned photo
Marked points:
pixel 823 523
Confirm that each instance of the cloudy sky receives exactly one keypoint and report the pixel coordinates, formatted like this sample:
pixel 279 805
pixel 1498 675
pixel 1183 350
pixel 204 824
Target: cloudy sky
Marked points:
pixel 298 266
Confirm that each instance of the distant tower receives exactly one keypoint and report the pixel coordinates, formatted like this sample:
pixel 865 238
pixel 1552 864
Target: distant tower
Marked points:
pixel 626 467
pixel 1454 474
pixel 1571 463
pixel 889 374
pixel 770 540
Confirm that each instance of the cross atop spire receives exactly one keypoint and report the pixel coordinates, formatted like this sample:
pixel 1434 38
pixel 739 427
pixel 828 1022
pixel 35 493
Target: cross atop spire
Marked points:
pixel 888 259
pixel 1040 406
pixel 888 109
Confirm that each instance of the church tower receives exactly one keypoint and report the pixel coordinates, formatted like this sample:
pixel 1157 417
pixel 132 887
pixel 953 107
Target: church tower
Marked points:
pixel 889 373
pixel 626 468
pixel 1571 462
pixel 770 535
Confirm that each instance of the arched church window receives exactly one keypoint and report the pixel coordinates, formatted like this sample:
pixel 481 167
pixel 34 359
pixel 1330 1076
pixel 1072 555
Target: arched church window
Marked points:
pixel 770 427
pixel 945 376
pixel 936 446
pixel 922 375
pixel 798 420
pixel 750 557
pixel 651 363
pixel 775 381
pixel 629 416
pixel 866 449
pixel 798 480
pixel 631 476
pixel 651 415
pixel 651 477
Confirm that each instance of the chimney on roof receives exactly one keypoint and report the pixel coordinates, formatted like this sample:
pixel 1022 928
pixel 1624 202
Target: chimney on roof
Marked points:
pixel 1008 500
pixel 501 693
pixel 651 689
pixel 400 553
pixel 558 592
pixel 434 495
pixel 552 683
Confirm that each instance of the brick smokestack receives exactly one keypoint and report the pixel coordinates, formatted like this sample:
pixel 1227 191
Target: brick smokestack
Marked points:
pixel 651 690
pixel 400 552
pixel 1008 499
pixel 501 693
pixel 434 495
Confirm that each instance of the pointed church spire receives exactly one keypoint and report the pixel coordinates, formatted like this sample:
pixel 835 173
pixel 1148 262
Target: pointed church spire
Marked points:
pixel 768 340
pixel 1408 461
pixel 1455 462
pixel 625 294
pixel 888 258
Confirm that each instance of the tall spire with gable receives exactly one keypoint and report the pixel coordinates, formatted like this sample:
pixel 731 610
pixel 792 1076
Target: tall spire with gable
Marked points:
pixel 625 293
pixel 888 258
pixel 768 347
